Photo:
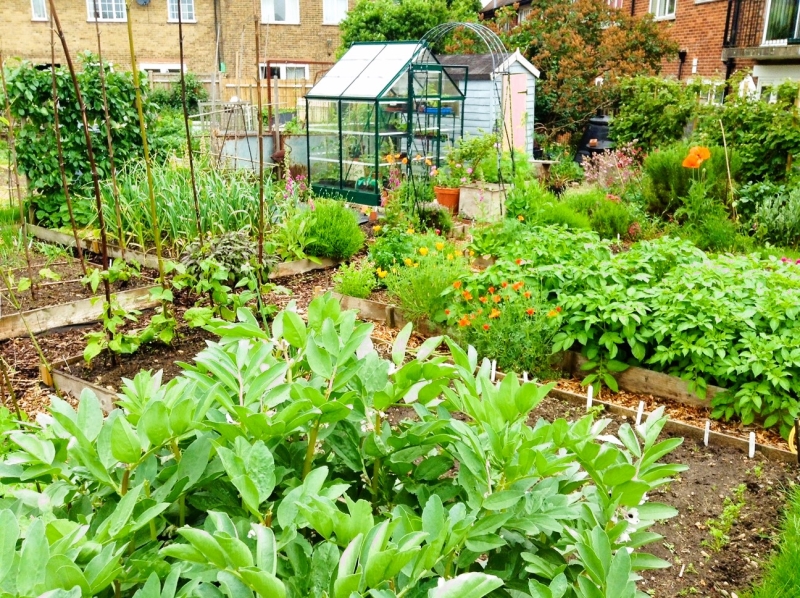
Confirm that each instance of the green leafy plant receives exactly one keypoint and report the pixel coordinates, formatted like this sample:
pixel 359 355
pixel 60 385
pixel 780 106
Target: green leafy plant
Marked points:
pixel 777 219
pixel 334 230
pixel 269 468
pixel 356 279
pixel 720 529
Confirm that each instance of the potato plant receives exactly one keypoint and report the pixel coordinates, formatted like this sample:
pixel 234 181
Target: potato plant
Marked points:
pixel 297 462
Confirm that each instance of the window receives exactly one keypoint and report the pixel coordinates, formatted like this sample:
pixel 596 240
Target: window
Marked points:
pixel 39 8
pixel 333 11
pixel 109 10
pixel 280 11
pixel 292 72
pixel 663 9
pixel 187 11
pixel 783 22
pixel 161 68
pixel 615 3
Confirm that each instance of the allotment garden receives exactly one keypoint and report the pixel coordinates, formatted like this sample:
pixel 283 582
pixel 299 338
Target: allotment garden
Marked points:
pixel 217 383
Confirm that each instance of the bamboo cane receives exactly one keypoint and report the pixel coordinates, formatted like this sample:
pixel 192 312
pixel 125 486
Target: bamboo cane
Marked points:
pixel 12 167
pixel 145 149
pixel 109 141
pixel 90 152
pixel 186 122
pixel 60 150
pixel 259 270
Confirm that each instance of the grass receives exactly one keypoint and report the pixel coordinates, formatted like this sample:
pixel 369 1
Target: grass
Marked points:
pixel 782 572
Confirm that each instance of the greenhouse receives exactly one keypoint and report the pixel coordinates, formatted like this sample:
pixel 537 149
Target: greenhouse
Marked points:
pixel 381 105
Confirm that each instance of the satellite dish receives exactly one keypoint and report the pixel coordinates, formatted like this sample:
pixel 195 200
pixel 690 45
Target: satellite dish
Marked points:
pixel 142 2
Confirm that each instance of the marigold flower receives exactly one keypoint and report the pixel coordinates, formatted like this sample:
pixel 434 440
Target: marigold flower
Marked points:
pixel 408 261
pixel 382 273
pixel 491 290
pixel 457 284
pixel 504 284
pixel 405 160
pixel 497 298
pixel 423 251
pixel 471 253
pixel 439 246
pixel 558 309
pixel 483 299
pixel 518 261
pixel 428 162
pixel 390 158
pixel 530 311
pixel 467 295
pixel 449 256
pixel 552 313
pixel 486 327
pixel 376 228
pixel 418 157
pixel 447 312
pixel 464 322
pixel 517 285
pixel 527 294
pixel 521 218
pixel 495 314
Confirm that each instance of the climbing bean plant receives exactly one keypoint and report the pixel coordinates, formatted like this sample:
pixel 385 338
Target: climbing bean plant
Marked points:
pixel 298 462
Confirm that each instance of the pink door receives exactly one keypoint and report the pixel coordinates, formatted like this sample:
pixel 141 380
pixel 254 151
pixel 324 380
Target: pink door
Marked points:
pixel 515 108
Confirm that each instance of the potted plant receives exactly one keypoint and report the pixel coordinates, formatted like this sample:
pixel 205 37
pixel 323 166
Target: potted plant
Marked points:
pixel 447 182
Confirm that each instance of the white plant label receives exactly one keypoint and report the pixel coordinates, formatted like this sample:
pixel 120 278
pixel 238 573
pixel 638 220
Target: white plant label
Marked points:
pixel 639 413
pixel 589 393
pixel 752 450
pixel 706 433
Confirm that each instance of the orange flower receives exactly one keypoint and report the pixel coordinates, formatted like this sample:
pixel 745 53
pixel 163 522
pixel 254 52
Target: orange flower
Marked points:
pixel 701 152
pixel 483 299
pixel 530 311
pixel 405 160
pixel 518 261
pixel 558 309
pixel 464 322
pixel 447 312
pixel 521 218
pixel 527 294
pixel 486 327
pixel 457 284
pixel 691 161
pixel 491 290
pixel 504 284
pixel 467 295
pixel 517 285
pixel 552 313
pixel 495 314
pixel 497 298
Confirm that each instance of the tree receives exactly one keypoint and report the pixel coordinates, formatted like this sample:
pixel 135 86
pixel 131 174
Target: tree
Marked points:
pixel 399 20
pixel 577 44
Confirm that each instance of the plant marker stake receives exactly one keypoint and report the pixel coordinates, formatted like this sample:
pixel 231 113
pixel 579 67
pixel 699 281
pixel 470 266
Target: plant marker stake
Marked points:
pixel 101 223
pixel 109 141
pixel 145 148
pixel 752 450
pixel 589 393
pixel 12 169
pixel 706 433
pixel 639 413
pixel 494 369
pixel 60 149
pixel 525 377
pixel 683 568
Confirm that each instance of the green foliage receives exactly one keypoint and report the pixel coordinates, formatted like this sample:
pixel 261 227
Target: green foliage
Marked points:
pixel 436 218
pixel 561 213
pixel 668 181
pixel 171 97
pixel 334 230
pixel 526 198
pixel 777 219
pixel 652 111
pixel 752 195
pixel 608 217
pixel 781 577
pixel 268 468
pixel 355 280
pixel 30 94
pixel 564 172
pixel 719 529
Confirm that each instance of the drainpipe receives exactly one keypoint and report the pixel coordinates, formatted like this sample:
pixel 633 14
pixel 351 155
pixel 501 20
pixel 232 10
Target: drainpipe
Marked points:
pixel 682 58
pixel 218 34
pixel 730 63
pixel 633 7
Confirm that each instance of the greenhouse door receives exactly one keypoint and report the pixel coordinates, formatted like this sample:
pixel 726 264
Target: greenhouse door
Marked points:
pixel 515 99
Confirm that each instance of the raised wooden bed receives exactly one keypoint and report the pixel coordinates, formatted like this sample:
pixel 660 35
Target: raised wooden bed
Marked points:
pixel 68 314
pixel 301 267
pixel 63 381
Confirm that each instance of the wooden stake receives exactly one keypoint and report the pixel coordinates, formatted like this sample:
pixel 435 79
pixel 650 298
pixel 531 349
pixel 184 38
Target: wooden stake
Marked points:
pixel 13 170
pixel 589 393
pixel 60 149
pixel 259 270
pixel 494 370
pixel 145 148
pixel 186 122
pixel 109 141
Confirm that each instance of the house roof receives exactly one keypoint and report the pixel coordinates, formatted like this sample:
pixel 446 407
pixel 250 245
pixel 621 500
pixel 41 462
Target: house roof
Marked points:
pixel 481 65
pixel 492 5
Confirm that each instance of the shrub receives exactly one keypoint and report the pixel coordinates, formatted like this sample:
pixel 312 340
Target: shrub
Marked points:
pixel 607 214
pixel 434 217
pixel 561 213
pixel 526 198
pixel 668 181
pixel 777 219
pixel 716 233
pixel 171 97
pixel 355 280
pixel 751 195
pixel 334 230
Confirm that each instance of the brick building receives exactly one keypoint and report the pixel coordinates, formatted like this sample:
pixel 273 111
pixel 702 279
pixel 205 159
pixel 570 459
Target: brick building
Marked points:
pixel 218 34
pixel 718 37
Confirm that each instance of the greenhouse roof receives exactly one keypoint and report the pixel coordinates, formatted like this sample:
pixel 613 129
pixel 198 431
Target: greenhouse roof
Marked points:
pixel 368 70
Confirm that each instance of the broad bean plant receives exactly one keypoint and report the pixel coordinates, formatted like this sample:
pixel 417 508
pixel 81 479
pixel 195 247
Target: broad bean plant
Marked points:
pixel 730 321
pixel 297 462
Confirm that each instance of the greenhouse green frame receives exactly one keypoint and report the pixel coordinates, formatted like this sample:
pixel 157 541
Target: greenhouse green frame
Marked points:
pixel 383 105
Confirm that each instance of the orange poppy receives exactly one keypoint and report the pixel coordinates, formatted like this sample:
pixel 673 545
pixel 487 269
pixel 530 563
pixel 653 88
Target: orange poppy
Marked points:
pixel 701 152
pixel 691 161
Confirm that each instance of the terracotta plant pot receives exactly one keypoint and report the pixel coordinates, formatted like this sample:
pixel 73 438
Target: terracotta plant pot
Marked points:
pixel 448 197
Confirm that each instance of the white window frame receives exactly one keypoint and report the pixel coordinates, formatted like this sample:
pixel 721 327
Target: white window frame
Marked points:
pixel 615 4
pixel 775 42
pixel 155 67
pixel 262 67
pixel 184 18
pixel 655 5
pixel 338 15
pixel 268 12
pixel 90 12
pixel 34 16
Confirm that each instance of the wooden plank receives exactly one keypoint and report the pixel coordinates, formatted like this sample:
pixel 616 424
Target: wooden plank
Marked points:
pixel 77 312
pixel 54 236
pixel 65 382
pixel 366 308
pixel 301 267
pixel 643 381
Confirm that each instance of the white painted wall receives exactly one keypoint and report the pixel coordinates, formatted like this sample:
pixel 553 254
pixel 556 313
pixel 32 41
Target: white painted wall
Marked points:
pixel 772 74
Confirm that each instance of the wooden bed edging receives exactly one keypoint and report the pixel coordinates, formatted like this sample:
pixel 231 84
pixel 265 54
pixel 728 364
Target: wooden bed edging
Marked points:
pixel 301 267
pixel 67 314
pixel 54 236
pixel 66 382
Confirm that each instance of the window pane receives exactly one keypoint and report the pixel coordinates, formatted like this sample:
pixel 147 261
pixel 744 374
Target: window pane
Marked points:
pixel 781 23
pixel 279 8
pixel 39 9
pixel 187 10
pixel 295 72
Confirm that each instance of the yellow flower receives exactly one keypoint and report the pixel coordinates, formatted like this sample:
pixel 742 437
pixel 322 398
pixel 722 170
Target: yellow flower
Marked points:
pixel 439 246
pixel 418 157
pixel 428 162
pixel 423 251
pixel 471 253
pixel 410 231
pixel 449 256
pixel 521 218
pixel 416 264
pixel 408 261
pixel 376 228
pixel 405 160
pixel 390 158
pixel 382 273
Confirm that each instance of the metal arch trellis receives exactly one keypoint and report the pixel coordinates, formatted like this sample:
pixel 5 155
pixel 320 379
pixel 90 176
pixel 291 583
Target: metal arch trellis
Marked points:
pixel 499 56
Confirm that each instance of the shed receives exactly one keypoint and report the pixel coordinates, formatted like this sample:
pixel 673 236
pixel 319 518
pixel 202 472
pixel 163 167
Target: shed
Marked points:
pixel 383 104
pixel 512 82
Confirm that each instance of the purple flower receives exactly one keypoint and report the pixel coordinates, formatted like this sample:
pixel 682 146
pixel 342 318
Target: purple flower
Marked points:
pixel 784 259
pixel 311 204
pixel 469 171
